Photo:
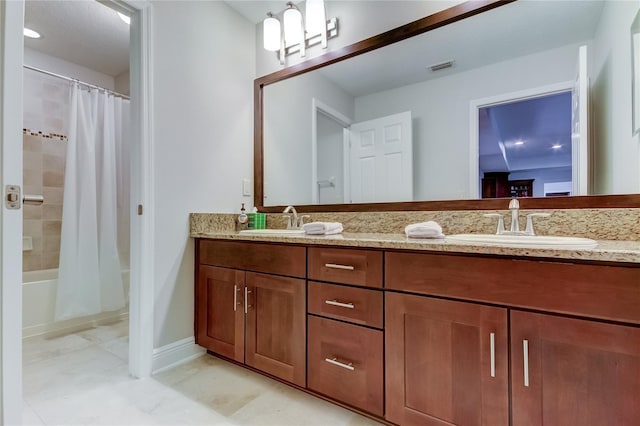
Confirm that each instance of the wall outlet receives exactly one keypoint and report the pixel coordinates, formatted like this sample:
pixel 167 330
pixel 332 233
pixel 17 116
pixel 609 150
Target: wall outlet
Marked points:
pixel 246 187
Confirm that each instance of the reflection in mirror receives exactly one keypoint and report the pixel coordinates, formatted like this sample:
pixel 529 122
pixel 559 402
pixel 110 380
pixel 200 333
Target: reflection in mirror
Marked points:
pixel 635 46
pixel 521 47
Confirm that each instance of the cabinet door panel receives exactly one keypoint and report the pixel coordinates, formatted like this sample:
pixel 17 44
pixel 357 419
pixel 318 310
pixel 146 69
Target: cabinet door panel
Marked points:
pixel 276 326
pixel 438 362
pixel 220 322
pixel 580 372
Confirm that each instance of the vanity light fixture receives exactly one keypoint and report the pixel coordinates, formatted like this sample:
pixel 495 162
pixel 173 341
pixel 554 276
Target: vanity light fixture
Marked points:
pixel 293 35
pixel 30 33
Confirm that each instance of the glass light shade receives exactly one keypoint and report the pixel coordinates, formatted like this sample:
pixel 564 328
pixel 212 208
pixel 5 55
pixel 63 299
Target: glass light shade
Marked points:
pixel 292 26
pixel 316 17
pixel 271 34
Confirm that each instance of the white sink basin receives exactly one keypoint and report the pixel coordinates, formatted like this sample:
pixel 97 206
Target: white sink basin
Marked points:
pixel 533 241
pixel 273 232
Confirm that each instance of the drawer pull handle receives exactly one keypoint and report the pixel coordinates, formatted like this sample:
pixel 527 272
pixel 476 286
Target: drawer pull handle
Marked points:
pixel 334 361
pixel 336 266
pixel 340 304
pixel 492 342
pixel 525 352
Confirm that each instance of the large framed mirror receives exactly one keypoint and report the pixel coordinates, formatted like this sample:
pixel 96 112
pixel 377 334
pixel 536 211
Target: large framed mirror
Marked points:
pixel 483 100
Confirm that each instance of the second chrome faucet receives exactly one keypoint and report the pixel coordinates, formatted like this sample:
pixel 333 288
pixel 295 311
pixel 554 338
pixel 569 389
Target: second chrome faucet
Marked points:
pixel 514 229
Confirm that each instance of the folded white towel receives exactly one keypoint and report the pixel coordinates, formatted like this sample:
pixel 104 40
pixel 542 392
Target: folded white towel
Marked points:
pixel 322 228
pixel 429 229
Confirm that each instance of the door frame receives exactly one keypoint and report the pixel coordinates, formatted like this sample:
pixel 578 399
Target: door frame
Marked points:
pixel 142 266
pixel 474 134
pixel 317 106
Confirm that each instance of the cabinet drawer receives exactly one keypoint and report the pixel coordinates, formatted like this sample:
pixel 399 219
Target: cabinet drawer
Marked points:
pixel 344 362
pixel 258 257
pixel 599 291
pixel 358 305
pixel 348 266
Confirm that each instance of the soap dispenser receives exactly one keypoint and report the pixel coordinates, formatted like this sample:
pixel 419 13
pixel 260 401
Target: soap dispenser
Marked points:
pixel 243 220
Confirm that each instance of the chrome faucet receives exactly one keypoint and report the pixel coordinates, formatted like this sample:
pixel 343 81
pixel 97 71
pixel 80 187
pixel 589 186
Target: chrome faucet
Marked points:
pixel 291 224
pixel 514 206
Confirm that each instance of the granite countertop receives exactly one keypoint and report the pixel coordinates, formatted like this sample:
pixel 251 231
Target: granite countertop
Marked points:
pixel 606 251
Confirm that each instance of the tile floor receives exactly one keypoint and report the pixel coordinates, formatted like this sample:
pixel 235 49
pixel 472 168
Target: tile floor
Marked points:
pixel 81 379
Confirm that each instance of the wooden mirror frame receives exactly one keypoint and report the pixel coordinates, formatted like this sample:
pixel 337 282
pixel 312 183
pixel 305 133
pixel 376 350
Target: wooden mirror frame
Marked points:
pixel 431 22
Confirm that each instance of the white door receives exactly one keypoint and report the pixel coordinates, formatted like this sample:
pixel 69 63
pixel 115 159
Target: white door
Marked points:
pixel 11 21
pixel 381 159
pixel 580 126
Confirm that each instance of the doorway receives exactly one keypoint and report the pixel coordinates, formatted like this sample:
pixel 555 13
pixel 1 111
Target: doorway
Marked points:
pixel 141 303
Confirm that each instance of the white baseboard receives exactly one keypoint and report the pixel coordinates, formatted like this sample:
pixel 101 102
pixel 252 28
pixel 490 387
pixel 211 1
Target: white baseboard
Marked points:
pixel 74 325
pixel 175 353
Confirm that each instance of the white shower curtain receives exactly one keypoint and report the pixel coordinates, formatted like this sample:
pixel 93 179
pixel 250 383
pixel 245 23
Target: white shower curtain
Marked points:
pixel 90 279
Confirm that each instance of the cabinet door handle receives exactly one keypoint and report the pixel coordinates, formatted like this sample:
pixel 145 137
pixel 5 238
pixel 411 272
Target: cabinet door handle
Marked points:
pixel 246 300
pixel 336 266
pixel 235 297
pixel 340 304
pixel 525 352
pixel 335 361
pixel 492 342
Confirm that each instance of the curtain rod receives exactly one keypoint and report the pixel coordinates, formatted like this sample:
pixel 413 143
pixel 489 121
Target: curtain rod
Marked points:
pixel 64 77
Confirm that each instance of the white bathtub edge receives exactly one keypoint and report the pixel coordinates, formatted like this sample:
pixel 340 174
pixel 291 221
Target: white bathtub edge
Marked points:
pixel 174 354
pixel 74 325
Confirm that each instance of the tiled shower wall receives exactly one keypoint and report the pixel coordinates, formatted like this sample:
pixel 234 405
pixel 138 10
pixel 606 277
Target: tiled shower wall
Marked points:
pixel 45 116
pixel 44 163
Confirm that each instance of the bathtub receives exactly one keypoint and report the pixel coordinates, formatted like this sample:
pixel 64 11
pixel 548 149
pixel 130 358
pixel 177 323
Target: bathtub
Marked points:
pixel 39 301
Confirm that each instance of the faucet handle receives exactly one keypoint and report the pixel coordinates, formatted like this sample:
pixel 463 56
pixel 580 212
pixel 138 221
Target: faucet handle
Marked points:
pixel 301 219
pixel 529 229
pixel 514 203
pixel 500 217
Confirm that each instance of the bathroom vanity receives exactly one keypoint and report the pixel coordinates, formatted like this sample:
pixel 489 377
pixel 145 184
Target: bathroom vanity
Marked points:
pixel 428 332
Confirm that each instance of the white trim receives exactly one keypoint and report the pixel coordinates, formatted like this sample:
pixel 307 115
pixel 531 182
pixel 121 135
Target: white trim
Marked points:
pixel 476 104
pixel 176 353
pixel 11 46
pixel 74 325
pixel 343 120
pixel 141 327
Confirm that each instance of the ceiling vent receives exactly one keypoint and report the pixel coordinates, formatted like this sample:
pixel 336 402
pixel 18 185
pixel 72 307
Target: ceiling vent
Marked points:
pixel 441 65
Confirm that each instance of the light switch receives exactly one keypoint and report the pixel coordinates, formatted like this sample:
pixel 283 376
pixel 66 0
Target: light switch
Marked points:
pixel 246 187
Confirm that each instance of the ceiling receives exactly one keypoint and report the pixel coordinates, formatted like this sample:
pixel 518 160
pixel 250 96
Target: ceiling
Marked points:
pixel 86 33
pixel 256 11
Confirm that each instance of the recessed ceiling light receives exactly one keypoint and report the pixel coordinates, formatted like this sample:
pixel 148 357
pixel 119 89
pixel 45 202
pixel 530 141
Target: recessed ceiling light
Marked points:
pixel 519 143
pixel 556 146
pixel 30 33
pixel 125 18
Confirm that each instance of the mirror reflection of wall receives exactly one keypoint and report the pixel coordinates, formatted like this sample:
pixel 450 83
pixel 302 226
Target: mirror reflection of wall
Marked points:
pixel 485 63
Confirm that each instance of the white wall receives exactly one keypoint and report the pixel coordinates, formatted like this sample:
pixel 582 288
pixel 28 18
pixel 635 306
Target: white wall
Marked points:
pixel 203 69
pixel 122 83
pixel 357 20
pixel 617 162
pixel 66 68
pixel 440 111
pixel 287 134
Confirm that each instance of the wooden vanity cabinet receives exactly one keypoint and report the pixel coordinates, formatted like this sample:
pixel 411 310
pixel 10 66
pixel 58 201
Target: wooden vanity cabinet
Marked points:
pixel 568 371
pixel 446 362
pixel 253 317
pixel 564 370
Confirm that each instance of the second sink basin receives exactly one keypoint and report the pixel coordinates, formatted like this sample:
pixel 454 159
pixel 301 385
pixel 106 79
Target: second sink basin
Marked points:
pixel 533 241
pixel 273 231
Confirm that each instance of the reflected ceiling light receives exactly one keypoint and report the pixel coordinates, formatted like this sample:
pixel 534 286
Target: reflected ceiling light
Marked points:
pixel 30 33
pixel 556 146
pixel 519 143
pixel 125 18
pixel 293 36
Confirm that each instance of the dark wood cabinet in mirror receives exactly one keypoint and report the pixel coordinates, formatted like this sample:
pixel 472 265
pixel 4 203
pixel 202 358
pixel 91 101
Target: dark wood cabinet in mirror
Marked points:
pixel 424 25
